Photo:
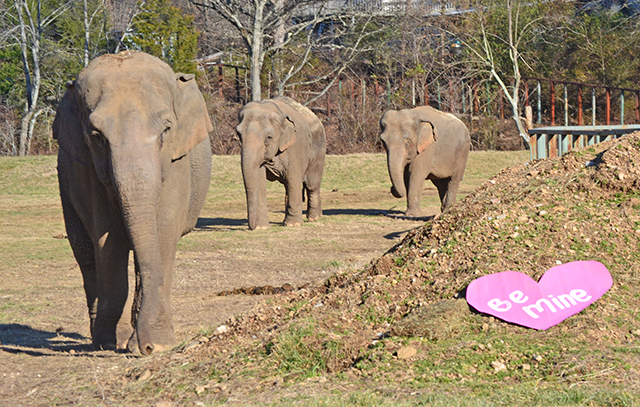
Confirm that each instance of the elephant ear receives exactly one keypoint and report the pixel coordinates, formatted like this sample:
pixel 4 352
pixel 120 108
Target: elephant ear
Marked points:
pixel 288 136
pixel 193 124
pixel 426 135
pixel 67 127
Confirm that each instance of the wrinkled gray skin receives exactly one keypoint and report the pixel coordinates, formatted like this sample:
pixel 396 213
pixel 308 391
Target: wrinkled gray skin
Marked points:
pixel 281 140
pixel 424 143
pixel 134 167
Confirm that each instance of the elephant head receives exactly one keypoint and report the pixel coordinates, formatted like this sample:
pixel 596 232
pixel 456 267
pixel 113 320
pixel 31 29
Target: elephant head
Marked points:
pixel 129 117
pixel 404 136
pixel 265 132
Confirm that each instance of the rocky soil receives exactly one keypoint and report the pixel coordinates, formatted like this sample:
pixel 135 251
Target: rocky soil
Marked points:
pixel 583 206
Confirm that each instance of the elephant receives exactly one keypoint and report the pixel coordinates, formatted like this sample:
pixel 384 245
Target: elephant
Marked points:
pixel 285 141
pixel 424 143
pixel 134 167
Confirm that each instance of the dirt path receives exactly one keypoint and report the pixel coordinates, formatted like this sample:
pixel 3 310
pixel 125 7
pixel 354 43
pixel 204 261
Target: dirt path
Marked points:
pixel 45 352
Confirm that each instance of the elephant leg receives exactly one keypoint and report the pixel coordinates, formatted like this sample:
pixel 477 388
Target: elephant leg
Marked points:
pixel 200 166
pixel 112 257
pixel 312 185
pixel 414 180
pixel 84 253
pixel 293 205
pixel 452 191
pixel 444 191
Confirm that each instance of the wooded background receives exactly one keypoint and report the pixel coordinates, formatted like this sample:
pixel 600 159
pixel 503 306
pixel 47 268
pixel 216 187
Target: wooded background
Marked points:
pixel 348 60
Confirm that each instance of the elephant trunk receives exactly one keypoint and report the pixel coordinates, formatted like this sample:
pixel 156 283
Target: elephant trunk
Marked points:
pixel 396 162
pixel 138 183
pixel 255 185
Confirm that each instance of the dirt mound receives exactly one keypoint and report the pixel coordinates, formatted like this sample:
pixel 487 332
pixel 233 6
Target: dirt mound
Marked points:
pixel 583 206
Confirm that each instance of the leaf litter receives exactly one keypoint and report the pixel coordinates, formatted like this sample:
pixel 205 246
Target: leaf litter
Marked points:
pixel 529 218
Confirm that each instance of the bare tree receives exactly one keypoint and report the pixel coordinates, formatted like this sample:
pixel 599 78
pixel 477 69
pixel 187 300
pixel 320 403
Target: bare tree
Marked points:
pixel 271 27
pixel 88 20
pixel 486 38
pixel 25 23
pixel 122 13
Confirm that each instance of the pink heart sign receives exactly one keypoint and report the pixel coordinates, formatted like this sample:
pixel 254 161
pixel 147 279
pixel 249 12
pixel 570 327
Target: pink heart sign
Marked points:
pixel 561 292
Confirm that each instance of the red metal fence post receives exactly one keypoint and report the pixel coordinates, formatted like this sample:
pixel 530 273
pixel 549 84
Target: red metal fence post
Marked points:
pixel 608 106
pixel 426 93
pixel 237 84
pixel 579 105
pixel 220 81
pixel 637 106
pixel 329 102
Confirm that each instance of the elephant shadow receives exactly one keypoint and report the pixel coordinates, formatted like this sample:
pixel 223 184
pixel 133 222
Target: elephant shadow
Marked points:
pixel 210 223
pixel 18 338
pixel 354 212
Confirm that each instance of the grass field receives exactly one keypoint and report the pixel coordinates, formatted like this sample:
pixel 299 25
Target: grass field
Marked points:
pixel 42 311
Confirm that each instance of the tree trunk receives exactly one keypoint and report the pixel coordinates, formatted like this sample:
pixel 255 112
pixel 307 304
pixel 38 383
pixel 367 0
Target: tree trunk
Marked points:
pixel 24 133
pixel 256 51
pixel 86 34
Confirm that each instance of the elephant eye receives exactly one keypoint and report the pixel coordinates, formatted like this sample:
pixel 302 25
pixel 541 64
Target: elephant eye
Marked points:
pixel 98 138
pixel 268 139
pixel 166 129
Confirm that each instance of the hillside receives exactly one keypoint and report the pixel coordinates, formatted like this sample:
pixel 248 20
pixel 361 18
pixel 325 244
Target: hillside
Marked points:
pixel 401 325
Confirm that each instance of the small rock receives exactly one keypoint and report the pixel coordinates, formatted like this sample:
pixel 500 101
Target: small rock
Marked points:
pixel 621 176
pixel 144 375
pixel 537 358
pixel 526 366
pixel 72 352
pixel 498 366
pixel 190 346
pixel 221 329
pixel 406 353
pixel 543 212
pixel 485 327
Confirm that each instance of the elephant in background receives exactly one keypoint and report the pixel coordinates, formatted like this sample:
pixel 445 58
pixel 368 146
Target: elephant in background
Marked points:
pixel 285 141
pixel 134 167
pixel 424 143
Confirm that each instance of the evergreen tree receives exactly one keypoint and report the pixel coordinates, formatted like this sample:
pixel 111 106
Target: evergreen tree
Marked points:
pixel 166 32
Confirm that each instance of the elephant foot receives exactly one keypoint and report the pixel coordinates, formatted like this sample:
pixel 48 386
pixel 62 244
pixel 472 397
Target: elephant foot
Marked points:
pixel 98 345
pixel 415 213
pixel 293 221
pixel 104 339
pixel 312 216
pixel 259 225
pixel 124 331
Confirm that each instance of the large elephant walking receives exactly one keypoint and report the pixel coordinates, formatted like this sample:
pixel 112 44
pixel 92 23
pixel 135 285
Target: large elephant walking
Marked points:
pixel 134 167
pixel 424 143
pixel 281 140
